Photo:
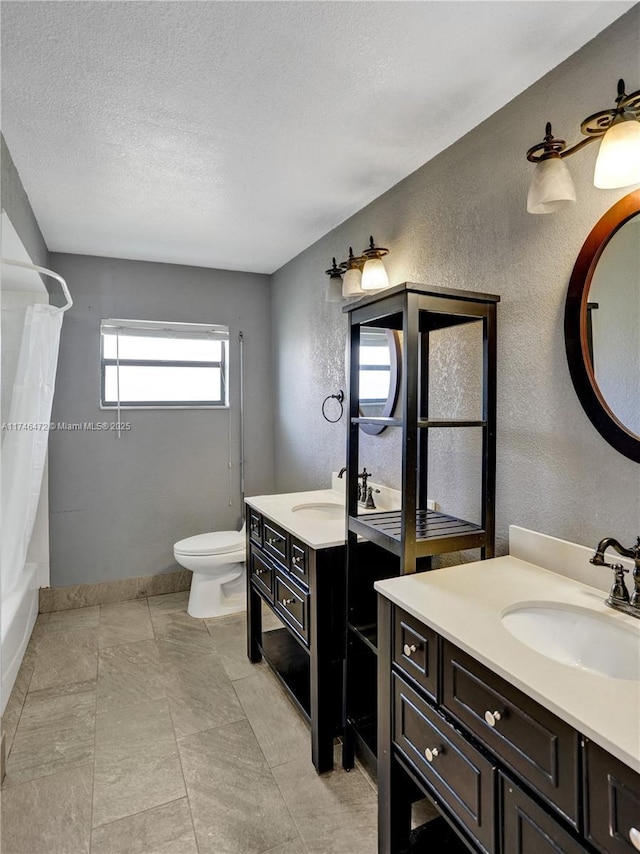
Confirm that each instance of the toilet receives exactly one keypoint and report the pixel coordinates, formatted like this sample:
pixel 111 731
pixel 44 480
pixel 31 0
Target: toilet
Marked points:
pixel 217 561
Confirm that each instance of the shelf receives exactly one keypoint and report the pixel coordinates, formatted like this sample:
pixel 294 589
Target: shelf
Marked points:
pixel 290 663
pixel 450 422
pixel 437 835
pixel 365 731
pixel 368 634
pixel 436 533
pixel 377 420
pixel 423 423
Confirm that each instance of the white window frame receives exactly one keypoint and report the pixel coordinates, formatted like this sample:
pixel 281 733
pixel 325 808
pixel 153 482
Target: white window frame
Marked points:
pixel 164 329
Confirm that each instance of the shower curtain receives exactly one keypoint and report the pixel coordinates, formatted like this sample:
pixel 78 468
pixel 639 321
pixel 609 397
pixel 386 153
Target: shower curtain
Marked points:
pixel 25 437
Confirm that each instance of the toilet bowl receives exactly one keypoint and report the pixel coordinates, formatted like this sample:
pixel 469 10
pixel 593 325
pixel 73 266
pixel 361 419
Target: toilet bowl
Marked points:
pixel 217 561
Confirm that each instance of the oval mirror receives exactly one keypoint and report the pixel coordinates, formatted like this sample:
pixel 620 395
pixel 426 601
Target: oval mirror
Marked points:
pixel 379 375
pixel 602 326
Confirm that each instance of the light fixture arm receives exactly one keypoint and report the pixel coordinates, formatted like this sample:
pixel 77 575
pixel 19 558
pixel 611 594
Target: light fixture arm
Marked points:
pixel 593 127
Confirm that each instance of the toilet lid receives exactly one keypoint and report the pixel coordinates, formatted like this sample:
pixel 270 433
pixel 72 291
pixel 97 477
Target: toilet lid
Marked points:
pixel 215 543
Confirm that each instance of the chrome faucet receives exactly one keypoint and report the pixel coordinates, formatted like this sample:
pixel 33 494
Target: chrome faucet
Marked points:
pixel 619 596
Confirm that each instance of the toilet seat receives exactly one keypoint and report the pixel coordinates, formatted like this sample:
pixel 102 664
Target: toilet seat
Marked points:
pixel 214 543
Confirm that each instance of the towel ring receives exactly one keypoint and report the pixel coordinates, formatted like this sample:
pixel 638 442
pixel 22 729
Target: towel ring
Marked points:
pixel 340 398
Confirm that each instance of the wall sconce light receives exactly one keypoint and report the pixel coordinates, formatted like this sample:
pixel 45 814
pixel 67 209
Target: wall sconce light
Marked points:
pixel 361 273
pixel 617 165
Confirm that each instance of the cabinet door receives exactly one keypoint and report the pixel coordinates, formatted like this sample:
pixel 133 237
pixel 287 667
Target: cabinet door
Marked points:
pixel 450 767
pixel 275 541
pixel 255 526
pixel 415 651
pixel 299 561
pixel 292 603
pixel 262 573
pixel 612 802
pixel 528 829
pixel 532 741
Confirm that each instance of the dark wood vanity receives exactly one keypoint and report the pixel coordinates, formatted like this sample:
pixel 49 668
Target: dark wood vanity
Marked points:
pixel 508 775
pixel 304 587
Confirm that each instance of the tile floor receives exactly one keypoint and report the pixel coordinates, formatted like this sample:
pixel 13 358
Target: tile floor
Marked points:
pixel 134 729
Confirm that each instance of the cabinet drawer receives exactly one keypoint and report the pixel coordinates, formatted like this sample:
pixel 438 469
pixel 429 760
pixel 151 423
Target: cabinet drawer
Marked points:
pixel 527 829
pixel 532 741
pixel 612 802
pixel 458 774
pixel 255 527
pixel 275 542
pixel 292 603
pixel 299 561
pixel 415 651
pixel 262 573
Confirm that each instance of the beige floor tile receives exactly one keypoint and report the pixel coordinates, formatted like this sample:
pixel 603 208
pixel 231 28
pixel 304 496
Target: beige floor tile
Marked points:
pixel 335 813
pixel 295 846
pixel 77 618
pixel 280 729
pixel 201 695
pixel 136 761
pixel 235 804
pixel 169 602
pixel 50 815
pixel 229 635
pixel 64 657
pixel 176 623
pixel 180 637
pixel 128 674
pixel 163 830
pixel 124 622
pixel 56 732
pixel 15 703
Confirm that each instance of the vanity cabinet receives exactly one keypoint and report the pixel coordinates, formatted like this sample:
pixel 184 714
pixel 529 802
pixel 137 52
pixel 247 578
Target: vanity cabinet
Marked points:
pixel 509 776
pixel 611 802
pixel 304 587
pixel 412 535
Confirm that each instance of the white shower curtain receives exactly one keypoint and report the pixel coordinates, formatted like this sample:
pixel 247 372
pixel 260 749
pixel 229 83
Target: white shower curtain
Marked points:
pixel 25 437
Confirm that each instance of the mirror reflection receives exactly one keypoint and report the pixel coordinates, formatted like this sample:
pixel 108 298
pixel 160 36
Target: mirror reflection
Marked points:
pixel 375 371
pixel 378 380
pixel 613 324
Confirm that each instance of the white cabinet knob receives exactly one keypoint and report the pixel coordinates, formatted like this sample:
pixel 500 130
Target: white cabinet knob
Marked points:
pixel 409 649
pixel 431 753
pixel 492 718
pixel 634 836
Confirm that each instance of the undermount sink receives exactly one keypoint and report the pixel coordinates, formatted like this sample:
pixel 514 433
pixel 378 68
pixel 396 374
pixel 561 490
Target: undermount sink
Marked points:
pixel 321 510
pixel 577 637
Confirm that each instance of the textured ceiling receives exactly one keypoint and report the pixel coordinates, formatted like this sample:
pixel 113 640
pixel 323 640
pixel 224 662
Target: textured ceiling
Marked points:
pixel 235 134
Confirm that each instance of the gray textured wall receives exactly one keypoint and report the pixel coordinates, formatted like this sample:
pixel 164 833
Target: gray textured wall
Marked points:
pixel 461 221
pixel 16 203
pixel 118 505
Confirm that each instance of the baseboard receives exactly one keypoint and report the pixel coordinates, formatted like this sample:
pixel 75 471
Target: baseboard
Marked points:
pixel 3 759
pixel 116 590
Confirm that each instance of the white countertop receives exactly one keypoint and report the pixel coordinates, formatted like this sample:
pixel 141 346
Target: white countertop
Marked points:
pixel 317 533
pixel 464 604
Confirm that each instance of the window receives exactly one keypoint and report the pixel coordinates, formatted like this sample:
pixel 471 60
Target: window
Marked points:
pixel 155 364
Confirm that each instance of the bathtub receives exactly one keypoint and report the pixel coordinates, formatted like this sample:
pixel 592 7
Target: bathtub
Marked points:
pixel 19 614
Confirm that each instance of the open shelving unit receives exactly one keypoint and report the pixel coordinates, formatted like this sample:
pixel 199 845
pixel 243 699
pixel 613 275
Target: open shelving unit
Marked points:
pixel 412 535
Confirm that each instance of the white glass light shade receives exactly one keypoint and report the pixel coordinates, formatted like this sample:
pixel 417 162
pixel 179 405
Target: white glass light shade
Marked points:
pixel 618 163
pixel 351 286
pixel 334 289
pixel 551 187
pixel 374 275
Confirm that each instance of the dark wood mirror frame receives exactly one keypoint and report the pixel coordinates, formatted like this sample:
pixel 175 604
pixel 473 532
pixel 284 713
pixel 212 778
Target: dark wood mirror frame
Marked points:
pixel 394 385
pixel 576 328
